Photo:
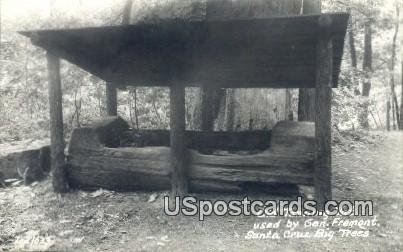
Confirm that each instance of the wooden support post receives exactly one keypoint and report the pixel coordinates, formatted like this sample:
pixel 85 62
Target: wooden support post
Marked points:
pixel 179 180
pixel 111 100
pixel 324 71
pixel 58 167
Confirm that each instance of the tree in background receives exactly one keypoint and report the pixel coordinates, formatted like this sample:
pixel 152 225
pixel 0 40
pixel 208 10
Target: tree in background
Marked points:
pixel 392 64
pixel 367 69
pixel 363 90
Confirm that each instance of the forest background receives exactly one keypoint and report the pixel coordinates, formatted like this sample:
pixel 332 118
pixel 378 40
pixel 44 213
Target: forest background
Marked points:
pixel 369 96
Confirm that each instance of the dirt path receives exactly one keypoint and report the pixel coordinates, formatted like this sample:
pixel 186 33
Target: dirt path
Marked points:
pixel 35 218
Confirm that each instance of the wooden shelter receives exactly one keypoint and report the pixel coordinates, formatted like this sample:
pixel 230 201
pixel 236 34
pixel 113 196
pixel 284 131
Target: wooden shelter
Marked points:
pixel 282 52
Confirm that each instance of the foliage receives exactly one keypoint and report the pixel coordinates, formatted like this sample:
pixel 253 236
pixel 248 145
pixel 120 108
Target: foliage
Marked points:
pixel 23 84
pixel 348 103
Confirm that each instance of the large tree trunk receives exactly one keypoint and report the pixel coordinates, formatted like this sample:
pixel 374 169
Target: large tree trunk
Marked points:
pixel 111 91
pixel 210 97
pixel 227 9
pixel 210 102
pixel 306 98
pixel 367 68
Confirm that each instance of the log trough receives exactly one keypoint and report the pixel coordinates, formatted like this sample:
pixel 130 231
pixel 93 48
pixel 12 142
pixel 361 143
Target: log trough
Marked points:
pixel 303 51
pixel 98 157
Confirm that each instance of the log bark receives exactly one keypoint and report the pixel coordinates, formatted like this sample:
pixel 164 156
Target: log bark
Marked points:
pixel 30 163
pixel 58 167
pixel 105 132
pixel 147 169
pixel 290 160
pixel 110 129
pixel 323 173
pixel 178 153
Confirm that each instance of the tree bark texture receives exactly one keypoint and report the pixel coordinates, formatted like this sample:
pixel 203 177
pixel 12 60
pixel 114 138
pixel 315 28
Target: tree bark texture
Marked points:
pixel 58 167
pixel 306 97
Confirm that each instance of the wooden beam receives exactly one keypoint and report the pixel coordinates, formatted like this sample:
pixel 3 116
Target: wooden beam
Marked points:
pixel 261 53
pixel 111 100
pixel 179 180
pixel 58 167
pixel 324 57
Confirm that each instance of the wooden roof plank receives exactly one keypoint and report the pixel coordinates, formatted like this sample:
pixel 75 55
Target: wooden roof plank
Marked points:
pixel 274 53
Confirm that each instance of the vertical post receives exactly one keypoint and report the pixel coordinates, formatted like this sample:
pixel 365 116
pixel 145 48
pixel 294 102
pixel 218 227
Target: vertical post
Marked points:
pixel 323 97
pixel 58 166
pixel 179 182
pixel 111 100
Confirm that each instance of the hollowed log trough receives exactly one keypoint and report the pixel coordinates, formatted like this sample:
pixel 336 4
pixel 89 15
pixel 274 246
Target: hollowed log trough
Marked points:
pixel 97 157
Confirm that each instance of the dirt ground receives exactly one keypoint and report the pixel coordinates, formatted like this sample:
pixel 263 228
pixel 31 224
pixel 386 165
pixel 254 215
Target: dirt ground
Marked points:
pixel 34 218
